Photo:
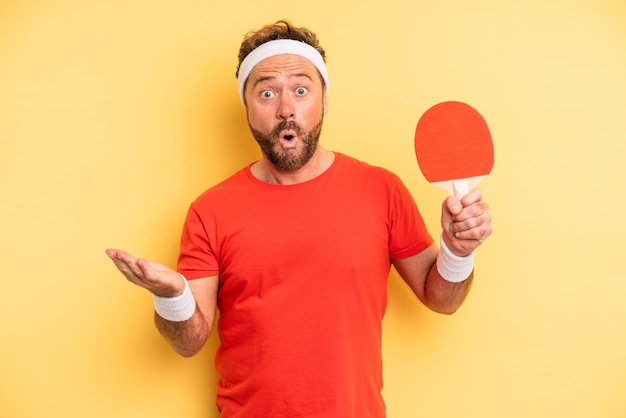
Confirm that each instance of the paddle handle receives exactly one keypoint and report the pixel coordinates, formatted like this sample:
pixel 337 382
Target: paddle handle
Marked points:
pixel 459 187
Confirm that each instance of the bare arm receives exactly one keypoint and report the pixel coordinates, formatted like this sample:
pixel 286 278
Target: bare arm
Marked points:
pixel 420 273
pixel 466 223
pixel 186 337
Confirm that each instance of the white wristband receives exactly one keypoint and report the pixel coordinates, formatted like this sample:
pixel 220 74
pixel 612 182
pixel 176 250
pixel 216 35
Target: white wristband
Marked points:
pixel 453 268
pixel 178 308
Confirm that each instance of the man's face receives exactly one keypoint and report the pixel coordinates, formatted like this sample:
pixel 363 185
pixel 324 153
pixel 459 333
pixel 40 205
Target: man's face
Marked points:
pixel 285 106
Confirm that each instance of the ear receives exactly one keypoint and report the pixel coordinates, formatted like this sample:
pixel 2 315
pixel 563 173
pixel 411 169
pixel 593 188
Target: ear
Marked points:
pixel 325 102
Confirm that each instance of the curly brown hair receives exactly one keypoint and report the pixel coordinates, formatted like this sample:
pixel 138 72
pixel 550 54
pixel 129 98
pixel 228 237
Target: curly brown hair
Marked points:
pixel 282 29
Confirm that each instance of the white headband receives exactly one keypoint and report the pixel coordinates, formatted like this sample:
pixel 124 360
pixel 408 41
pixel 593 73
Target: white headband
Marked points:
pixel 280 47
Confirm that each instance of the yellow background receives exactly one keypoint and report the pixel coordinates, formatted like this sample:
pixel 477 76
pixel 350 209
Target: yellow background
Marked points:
pixel 115 114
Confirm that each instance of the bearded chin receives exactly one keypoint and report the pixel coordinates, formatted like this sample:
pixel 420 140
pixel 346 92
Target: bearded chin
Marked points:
pixel 293 159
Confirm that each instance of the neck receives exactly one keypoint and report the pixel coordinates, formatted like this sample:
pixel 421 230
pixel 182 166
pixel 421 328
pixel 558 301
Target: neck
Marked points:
pixel 321 160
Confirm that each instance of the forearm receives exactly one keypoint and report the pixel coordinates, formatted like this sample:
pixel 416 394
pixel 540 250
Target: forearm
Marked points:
pixel 444 296
pixel 184 320
pixel 186 337
pixel 181 320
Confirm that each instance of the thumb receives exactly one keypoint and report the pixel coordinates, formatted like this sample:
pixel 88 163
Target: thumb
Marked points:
pixel 453 204
pixel 449 208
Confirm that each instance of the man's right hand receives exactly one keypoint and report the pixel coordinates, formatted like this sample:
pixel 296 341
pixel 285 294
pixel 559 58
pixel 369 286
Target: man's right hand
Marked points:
pixel 156 278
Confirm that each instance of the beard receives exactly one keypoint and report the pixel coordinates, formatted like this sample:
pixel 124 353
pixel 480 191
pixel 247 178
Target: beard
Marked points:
pixel 289 160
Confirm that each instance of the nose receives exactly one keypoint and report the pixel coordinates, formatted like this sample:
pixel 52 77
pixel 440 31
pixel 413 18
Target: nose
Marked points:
pixel 286 109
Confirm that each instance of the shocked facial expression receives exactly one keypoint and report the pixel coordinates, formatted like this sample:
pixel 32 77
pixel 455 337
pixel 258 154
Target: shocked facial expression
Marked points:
pixel 285 106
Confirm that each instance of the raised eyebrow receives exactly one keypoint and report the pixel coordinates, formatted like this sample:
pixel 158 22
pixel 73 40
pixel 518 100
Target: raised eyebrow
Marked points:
pixel 271 77
pixel 262 79
pixel 299 75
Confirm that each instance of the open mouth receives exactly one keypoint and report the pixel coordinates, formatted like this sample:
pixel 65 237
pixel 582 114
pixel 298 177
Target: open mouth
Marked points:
pixel 287 131
pixel 288 136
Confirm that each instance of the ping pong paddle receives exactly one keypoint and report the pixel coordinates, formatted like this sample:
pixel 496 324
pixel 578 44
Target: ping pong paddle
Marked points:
pixel 453 147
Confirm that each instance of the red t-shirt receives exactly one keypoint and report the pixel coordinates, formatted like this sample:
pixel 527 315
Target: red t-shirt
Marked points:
pixel 302 286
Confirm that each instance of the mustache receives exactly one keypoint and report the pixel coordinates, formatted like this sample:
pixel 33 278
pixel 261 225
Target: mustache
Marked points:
pixel 288 125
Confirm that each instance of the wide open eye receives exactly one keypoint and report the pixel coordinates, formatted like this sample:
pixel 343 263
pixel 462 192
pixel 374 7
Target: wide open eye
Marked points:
pixel 267 94
pixel 301 91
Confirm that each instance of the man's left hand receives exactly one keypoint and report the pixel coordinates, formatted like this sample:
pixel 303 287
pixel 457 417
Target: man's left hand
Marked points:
pixel 466 222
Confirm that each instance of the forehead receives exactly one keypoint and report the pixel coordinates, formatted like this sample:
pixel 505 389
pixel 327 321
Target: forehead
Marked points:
pixel 286 65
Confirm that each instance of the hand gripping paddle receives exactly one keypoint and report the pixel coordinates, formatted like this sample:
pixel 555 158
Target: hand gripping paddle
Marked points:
pixel 453 147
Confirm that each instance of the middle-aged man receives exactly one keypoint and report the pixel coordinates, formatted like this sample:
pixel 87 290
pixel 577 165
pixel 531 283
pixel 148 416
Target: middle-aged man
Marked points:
pixel 295 252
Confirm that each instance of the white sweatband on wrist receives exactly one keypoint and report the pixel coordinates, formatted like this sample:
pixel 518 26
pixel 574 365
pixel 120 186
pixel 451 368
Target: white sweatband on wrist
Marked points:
pixel 451 267
pixel 178 308
pixel 280 47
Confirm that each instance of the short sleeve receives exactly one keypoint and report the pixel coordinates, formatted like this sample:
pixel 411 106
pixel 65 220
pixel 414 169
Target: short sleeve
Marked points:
pixel 196 258
pixel 408 234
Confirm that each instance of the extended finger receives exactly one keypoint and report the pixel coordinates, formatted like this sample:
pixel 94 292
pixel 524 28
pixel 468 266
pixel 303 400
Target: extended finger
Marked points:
pixel 126 264
pixel 131 272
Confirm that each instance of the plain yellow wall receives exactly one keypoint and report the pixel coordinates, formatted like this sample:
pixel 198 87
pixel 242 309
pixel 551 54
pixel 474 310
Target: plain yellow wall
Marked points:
pixel 114 115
